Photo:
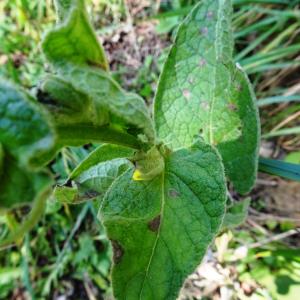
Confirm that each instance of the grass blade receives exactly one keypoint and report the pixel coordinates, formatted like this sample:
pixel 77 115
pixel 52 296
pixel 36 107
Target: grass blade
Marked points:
pixel 277 99
pixel 280 168
pixel 285 131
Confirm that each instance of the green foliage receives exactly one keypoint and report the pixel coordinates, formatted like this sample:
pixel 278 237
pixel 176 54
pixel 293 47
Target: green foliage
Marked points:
pixel 236 214
pixel 151 182
pixel 73 40
pixel 141 217
pixel 201 92
pixel 25 129
pixel 25 135
pixel 95 174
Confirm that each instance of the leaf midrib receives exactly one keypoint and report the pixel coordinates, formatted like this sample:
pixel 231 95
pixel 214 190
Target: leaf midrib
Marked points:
pixel 217 40
pixel 161 213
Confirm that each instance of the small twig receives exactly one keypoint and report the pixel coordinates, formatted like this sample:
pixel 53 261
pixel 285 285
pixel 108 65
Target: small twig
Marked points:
pixel 257 226
pixel 87 287
pixel 264 217
pixel 274 238
pixel 286 121
pixel 265 182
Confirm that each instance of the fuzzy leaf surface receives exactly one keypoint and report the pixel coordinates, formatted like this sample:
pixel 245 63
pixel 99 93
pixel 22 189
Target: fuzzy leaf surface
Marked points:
pixel 73 40
pixel 67 104
pixel 202 92
pixel 160 228
pixel 73 50
pixel 25 129
pixel 95 174
pixel 236 214
pixel 77 117
pixel 126 110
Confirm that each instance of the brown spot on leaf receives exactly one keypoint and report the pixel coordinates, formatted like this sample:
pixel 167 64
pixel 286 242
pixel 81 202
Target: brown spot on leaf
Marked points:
pixel 18 60
pixel 209 15
pixel 204 30
pixel 91 194
pixel 153 225
pixel 202 62
pixel 118 251
pixel 232 107
pixel 173 193
pixel 186 94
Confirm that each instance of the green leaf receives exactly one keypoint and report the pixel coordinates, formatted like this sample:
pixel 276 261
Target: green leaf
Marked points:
pixel 78 119
pixel 18 186
pixel 69 105
pixel 1 159
pixel 78 135
pixel 236 214
pixel 98 100
pixel 25 129
pixel 127 110
pixel 73 40
pixel 160 228
pixel 201 92
pixel 148 164
pixel 95 174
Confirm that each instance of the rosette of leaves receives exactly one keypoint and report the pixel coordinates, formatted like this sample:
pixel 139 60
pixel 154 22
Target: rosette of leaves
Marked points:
pixel 160 182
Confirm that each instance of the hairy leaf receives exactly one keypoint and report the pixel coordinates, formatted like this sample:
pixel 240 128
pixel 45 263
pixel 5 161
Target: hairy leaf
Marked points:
pixel 160 228
pixel 25 129
pixel 148 164
pixel 95 174
pixel 236 214
pixel 73 40
pixel 202 92
pixel 78 135
pixel 100 100
pixel 78 119
pixel 68 105
pixel 127 110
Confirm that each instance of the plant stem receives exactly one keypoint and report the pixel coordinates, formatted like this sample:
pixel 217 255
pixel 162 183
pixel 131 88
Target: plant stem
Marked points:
pixel 78 135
